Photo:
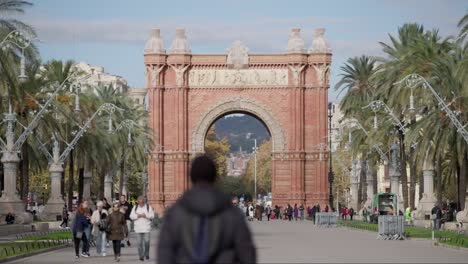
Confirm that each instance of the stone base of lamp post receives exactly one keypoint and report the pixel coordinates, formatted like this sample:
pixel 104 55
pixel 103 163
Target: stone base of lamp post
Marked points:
pixel 52 209
pixel 462 216
pixel 16 207
pixel 428 200
pixel 54 205
pixel 425 206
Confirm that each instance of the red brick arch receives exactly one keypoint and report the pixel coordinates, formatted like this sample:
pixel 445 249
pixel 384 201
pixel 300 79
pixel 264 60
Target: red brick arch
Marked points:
pixel 288 92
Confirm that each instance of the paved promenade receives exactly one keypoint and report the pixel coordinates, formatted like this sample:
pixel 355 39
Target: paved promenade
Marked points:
pixel 300 242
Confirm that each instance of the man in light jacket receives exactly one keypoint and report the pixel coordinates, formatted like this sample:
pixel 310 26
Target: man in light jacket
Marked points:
pixel 142 215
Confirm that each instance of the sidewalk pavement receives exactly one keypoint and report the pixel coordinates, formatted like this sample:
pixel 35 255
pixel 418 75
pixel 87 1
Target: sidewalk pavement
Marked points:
pixel 280 241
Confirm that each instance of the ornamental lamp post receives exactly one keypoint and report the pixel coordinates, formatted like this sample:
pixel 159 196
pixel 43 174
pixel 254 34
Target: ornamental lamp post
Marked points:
pixel 330 171
pixel 255 150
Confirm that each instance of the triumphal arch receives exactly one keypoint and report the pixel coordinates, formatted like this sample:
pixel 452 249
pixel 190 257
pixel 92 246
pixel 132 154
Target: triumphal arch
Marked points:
pixel 287 91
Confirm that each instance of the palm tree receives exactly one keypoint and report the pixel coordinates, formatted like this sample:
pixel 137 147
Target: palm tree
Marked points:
pixel 463 25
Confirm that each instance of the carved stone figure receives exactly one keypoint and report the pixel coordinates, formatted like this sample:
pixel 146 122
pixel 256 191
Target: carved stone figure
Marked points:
pixel 238 57
pixel 154 74
pixel 180 44
pixel 321 70
pixel 296 71
pixel 179 70
pixel 319 44
pixel 295 42
pixel 155 44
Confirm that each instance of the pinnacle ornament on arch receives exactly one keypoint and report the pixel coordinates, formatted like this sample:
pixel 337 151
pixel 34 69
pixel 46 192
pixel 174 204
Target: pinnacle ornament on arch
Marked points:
pixel 319 43
pixel 180 43
pixel 296 42
pixel 155 44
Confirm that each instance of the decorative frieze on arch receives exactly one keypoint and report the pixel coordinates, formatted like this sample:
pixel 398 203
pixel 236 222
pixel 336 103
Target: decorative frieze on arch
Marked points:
pixel 238 104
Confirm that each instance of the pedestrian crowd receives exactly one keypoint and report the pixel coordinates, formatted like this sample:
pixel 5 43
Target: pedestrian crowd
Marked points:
pixel 111 224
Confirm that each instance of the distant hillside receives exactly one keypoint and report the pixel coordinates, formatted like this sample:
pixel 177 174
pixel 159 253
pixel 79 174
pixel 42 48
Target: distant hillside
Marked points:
pixel 240 130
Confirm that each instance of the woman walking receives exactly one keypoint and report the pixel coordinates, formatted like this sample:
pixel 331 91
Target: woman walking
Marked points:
pixel 117 229
pixel 78 230
pixel 99 221
pixel 296 212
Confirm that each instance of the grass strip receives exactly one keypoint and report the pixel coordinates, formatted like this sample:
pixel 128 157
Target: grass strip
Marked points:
pixel 442 236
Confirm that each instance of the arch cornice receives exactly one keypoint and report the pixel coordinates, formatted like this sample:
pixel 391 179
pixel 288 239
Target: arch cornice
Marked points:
pixel 236 104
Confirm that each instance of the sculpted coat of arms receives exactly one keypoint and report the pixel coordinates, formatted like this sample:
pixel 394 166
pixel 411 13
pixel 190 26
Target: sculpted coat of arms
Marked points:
pixel 238 57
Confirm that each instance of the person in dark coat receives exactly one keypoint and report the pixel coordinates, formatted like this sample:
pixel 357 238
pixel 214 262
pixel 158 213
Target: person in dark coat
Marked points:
pixel 290 212
pixel 64 223
pixel 351 214
pixel 78 230
pixel 117 229
pixel 203 226
pixel 10 219
pixel 436 216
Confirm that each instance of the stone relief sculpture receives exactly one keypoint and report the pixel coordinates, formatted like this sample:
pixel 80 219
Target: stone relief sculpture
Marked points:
pixel 154 71
pixel 180 44
pixel 179 70
pixel 223 78
pixel 322 70
pixel 319 44
pixel 296 71
pixel 295 42
pixel 238 57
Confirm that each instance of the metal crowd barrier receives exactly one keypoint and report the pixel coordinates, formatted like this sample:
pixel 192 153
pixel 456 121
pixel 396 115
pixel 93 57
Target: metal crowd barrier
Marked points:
pixel 391 227
pixel 326 219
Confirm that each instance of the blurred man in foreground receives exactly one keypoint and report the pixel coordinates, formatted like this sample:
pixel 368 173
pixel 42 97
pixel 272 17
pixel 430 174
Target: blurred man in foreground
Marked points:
pixel 203 226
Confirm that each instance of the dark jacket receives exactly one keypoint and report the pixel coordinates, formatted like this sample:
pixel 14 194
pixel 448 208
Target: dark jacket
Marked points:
pixel 230 239
pixel 117 226
pixel 127 208
pixel 436 210
pixel 80 223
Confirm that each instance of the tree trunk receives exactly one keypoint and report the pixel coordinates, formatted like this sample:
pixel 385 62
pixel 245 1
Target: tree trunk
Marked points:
pixel 102 176
pixel 438 174
pixel 80 184
pixel 25 171
pixel 122 172
pixel 413 177
pixel 62 180
pixel 404 176
pixel 71 180
pixel 462 181
pixel 363 184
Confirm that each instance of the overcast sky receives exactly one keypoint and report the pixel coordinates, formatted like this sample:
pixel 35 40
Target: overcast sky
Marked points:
pixel 112 33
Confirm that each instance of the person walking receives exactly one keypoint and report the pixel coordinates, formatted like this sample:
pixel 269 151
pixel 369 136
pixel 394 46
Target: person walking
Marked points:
pixel 327 209
pixel 408 215
pixel 126 208
pixel 78 232
pixel 296 212
pixel 99 221
pixel 268 212
pixel 105 204
pixel 87 213
pixel 365 214
pixel 289 210
pixel 117 229
pixel 203 226
pixel 142 215
pixel 251 212
pixel 313 212
pixel 436 216
pixel 301 211
pixel 65 217
pixel 351 213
